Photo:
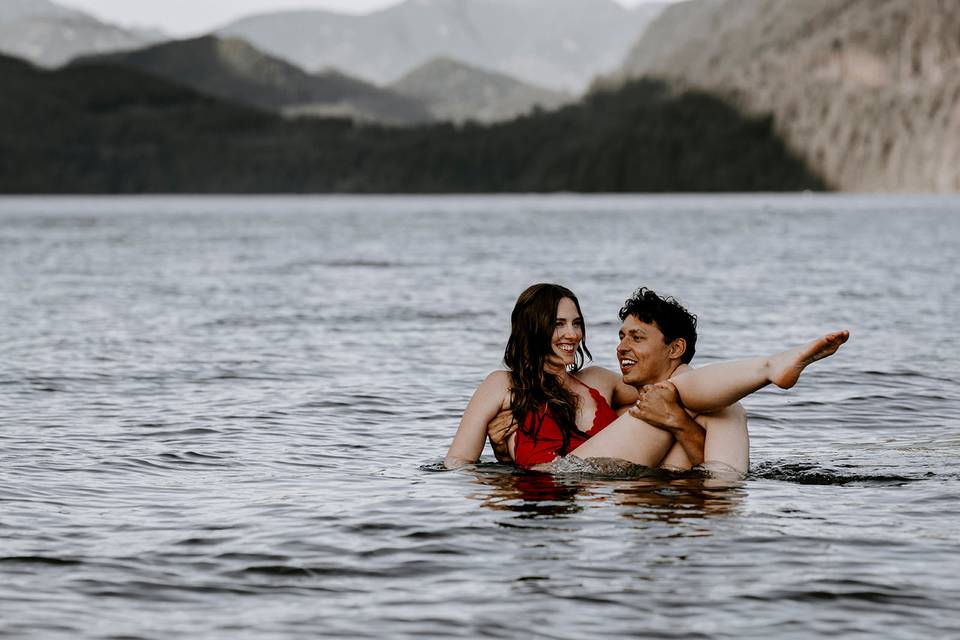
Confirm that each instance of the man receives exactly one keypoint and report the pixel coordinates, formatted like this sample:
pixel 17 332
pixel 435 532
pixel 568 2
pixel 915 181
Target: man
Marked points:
pixel 658 338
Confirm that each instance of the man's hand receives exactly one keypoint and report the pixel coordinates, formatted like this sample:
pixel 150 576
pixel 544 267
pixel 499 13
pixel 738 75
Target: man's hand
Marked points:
pixel 659 406
pixel 499 430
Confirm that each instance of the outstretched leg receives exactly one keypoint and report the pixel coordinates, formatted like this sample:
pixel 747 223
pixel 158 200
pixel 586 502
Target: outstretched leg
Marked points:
pixel 785 368
pixel 709 389
pixel 719 385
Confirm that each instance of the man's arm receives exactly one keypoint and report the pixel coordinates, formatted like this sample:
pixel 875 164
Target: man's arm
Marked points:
pixel 499 431
pixel 659 406
pixel 717 440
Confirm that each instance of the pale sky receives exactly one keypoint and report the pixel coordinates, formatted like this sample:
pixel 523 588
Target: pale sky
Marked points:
pixel 193 17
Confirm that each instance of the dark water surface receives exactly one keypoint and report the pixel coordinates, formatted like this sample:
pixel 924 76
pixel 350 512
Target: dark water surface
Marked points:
pixel 220 418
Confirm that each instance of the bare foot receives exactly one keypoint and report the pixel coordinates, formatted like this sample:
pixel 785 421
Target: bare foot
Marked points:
pixel 786 367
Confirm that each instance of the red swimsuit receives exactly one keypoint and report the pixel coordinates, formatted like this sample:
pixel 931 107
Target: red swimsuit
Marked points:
pixel 550 439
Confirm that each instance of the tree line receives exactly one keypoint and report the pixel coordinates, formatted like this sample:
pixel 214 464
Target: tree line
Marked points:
pixel 101 129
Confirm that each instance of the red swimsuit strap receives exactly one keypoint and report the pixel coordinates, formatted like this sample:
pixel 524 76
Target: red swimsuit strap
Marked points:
pixel 602 407
pixel 596 395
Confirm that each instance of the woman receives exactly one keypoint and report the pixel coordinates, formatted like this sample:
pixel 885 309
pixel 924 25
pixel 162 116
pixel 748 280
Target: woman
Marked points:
pixel 560 408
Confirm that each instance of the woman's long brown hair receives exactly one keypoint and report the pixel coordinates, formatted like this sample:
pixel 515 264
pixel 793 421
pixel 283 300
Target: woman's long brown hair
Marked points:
pixel 535 391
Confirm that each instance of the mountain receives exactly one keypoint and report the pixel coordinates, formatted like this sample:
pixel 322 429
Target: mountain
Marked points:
pixel 94 128
pixel 230 68
pixel 560 44
pixel 866 91
pixel 460 92
pixel 11 10
pixel 50 35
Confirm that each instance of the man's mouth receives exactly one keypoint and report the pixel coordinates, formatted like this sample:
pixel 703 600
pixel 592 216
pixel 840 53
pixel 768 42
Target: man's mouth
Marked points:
pixel 626 363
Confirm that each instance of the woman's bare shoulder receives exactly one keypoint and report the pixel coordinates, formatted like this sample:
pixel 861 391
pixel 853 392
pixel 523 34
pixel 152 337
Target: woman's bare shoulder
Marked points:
pixel 498 378
pixel 598 377
pixel 611 386
pixel 497 384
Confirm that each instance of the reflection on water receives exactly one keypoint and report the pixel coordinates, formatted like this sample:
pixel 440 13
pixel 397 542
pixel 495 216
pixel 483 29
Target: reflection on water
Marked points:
pixel 643 494
pixel 679 499
pixel 528 494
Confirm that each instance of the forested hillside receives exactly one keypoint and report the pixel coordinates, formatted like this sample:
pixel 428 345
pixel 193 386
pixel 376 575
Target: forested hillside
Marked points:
pixel 101 129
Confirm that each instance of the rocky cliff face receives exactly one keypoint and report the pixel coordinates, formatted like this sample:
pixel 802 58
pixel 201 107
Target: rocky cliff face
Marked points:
pixel 866 91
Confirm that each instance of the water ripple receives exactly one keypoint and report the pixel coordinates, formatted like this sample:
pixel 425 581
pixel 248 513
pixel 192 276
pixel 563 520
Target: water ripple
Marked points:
pixel 223 418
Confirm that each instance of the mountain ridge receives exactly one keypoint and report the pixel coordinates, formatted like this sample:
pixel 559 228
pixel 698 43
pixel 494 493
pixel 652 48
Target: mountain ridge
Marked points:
pixel 12 10
pixel 459 92
pixel 234 70
pixel 50 35
pixel 559 44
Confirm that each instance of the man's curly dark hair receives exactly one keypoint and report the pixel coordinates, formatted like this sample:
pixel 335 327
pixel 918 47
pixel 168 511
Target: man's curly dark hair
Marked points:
pixel 673 320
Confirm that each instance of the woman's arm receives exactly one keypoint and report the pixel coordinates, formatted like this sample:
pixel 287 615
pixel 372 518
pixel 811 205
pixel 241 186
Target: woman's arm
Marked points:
pixel 490 398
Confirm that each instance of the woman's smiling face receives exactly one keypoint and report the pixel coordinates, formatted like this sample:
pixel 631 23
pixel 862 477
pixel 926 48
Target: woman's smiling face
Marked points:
pixel 567 332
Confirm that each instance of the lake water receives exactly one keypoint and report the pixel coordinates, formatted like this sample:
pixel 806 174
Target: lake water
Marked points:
pixel 222 418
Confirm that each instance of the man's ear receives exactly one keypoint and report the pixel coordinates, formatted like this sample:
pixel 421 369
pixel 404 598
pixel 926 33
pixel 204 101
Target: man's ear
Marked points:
pixel 677 348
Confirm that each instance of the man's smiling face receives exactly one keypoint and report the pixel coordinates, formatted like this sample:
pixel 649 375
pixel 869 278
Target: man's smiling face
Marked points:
pixel 643 353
